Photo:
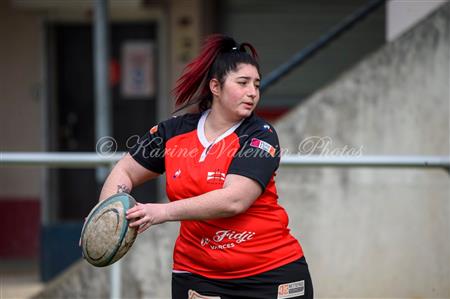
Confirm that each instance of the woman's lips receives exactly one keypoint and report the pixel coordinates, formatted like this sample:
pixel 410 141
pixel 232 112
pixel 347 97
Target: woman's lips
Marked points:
pixel 248 105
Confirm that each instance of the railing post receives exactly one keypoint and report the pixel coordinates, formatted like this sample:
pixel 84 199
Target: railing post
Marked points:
pixel 116 280
pixel 102 93
pixel 115 274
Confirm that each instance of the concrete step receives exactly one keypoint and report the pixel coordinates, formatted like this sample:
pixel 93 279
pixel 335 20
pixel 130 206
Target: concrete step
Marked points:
pixel 19 279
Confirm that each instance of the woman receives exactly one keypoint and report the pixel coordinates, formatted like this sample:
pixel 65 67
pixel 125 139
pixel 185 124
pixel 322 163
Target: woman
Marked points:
pixel 220 165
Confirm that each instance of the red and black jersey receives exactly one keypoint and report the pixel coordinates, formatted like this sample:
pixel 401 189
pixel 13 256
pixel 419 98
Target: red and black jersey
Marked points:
pixel 250 243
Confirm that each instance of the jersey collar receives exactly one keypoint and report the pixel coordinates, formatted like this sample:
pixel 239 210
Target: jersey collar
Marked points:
pixel 201 133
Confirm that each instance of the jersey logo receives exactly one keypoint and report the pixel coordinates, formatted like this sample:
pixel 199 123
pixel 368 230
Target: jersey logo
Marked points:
pixel 194 295
pixel 293 289
pixel 177 174
pixel 227 239
pixel 154 129
pixel 263 146
pixel 215 177
pixel 204 242
pixel 267 127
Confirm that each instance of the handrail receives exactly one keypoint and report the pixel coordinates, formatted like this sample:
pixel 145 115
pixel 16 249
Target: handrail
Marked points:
pixel 80 160
pixel 58 159
pixel 313 48
pixel 368 161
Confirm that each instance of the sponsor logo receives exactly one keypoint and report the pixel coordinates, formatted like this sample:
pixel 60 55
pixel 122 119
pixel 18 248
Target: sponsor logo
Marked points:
pixel 226 239
pixel 293 289
pixel 154 129
pixel 177 174
pixel 194 295
pixel 204 241
pixel 263 146
pixel 215 177
pixel 239 237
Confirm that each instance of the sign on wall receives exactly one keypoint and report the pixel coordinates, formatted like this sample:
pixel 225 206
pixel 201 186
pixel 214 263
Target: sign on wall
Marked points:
pixel 138 77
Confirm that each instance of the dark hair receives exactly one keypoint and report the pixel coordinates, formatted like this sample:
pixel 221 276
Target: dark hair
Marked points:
pixel 220 54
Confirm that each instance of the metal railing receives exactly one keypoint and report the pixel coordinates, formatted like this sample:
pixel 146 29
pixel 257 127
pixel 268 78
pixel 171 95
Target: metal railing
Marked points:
pixel 368 161
pixel 58 159
pixel 90 160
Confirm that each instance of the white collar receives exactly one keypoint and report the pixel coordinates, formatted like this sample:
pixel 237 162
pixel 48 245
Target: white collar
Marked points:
pixel 202 137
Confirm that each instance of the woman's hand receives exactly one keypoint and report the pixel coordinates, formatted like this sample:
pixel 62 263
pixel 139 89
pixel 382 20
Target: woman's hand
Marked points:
pixel 146 215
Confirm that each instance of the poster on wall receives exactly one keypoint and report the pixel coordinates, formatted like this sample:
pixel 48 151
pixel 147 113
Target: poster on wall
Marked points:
pixel 138 78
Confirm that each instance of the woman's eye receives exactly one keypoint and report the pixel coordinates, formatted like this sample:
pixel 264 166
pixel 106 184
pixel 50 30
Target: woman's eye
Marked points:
pixel 242 83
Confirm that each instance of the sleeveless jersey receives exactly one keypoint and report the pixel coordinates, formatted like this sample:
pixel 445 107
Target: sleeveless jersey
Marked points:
pixel 255 241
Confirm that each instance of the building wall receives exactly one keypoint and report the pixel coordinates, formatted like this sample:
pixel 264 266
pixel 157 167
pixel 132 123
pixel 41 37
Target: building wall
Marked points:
pixel 185 36
pixel 381 233
pixel 403 14
pixel 20 102
pixel 20 129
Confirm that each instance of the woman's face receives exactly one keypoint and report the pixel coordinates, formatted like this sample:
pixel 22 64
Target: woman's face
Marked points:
pixel 238 96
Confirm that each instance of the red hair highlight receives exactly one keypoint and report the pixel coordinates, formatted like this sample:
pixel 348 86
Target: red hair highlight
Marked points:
pixel 192 82
pixel 195 72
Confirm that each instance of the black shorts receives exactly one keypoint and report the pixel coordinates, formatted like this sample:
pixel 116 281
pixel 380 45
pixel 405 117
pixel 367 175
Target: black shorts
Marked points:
pixel 289 281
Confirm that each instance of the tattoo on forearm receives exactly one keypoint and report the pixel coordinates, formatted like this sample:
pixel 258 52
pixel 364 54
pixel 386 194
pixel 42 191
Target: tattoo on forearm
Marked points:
pixel 123 188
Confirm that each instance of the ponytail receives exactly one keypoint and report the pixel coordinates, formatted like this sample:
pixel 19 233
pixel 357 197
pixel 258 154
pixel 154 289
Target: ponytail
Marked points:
pixel 219 55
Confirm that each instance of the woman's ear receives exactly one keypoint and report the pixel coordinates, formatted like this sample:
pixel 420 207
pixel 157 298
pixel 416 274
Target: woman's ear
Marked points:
pixel 214 86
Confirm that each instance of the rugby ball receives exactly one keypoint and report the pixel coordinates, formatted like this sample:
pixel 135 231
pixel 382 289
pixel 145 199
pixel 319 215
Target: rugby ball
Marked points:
pixel 106 236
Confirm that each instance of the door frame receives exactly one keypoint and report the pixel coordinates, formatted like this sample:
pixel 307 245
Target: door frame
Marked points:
pixel 49 184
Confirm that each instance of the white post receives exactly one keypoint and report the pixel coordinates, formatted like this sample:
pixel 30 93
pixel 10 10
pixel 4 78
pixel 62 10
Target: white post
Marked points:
pixel 115 272
pixel 115 279
pixel 103 108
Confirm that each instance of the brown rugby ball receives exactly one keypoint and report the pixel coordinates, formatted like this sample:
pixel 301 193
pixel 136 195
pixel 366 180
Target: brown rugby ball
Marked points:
pixel 106 236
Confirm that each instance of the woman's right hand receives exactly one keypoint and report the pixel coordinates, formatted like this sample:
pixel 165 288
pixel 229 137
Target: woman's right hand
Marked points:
pixel 143 216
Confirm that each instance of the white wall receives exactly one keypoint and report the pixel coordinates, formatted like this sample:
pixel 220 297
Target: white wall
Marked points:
pixel 20 107
pixel 401 15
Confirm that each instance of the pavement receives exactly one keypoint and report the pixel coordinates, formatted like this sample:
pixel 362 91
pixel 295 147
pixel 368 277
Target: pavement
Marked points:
pixel 19 279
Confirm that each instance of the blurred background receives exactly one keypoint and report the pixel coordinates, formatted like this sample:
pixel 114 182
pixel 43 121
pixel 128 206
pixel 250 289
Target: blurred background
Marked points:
pixel 379 87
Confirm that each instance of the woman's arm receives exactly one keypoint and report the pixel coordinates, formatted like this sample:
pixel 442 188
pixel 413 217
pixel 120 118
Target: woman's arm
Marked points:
pixel 125 175
pixel 236 196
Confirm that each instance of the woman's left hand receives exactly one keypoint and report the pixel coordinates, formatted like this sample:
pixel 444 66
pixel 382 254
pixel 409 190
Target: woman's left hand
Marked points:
pixel 146 215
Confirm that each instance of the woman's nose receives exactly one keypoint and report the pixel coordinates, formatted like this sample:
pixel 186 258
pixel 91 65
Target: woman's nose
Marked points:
pixel 252 92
